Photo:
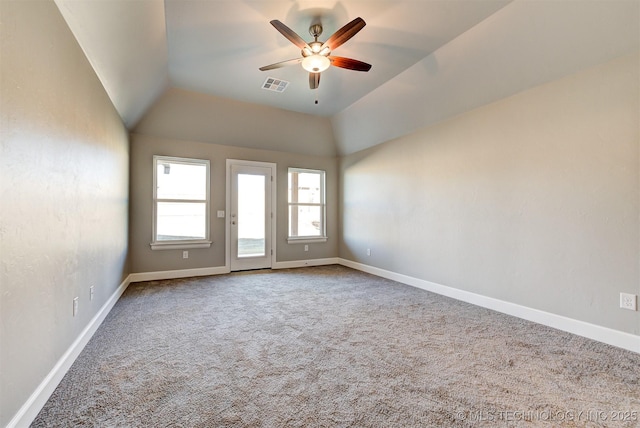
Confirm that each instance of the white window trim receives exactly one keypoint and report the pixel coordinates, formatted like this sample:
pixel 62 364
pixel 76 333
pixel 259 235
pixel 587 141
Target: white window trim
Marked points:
pixel 180 245
pixel 323 211
pixel 306 239
pixel 188 243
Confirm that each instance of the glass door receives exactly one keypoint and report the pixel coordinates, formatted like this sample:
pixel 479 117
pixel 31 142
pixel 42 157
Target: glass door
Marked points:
pixel 250 217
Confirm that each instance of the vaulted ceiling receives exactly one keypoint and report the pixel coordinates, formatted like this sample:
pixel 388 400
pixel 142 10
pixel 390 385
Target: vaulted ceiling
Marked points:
pixel 431 59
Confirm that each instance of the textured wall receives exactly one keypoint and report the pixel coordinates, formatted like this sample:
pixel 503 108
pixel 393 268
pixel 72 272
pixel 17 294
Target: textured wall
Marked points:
pixel 192 116
pixel 64 196
pixel 143 147
pixel 533 199
pixel 523 45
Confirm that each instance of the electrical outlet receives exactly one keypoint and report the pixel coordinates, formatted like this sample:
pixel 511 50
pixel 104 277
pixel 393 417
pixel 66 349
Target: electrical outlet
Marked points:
pixel 306 248
pixel 628 301
pixel 368 251
pixel 75 306
pixel 185 254
pixel 91 293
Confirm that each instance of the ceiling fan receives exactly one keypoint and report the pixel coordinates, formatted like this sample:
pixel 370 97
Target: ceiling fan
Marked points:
pixel 316 56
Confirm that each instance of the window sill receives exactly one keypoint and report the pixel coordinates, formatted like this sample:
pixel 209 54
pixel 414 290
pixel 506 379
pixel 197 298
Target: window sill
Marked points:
pixel 180 245
pixel 307 240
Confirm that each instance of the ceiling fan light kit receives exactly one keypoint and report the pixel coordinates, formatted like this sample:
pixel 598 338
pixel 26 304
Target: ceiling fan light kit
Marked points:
pixel 316 63
pixel 316 56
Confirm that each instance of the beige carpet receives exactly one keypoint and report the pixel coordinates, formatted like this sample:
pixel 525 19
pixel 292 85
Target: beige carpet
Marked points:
pixel 333 347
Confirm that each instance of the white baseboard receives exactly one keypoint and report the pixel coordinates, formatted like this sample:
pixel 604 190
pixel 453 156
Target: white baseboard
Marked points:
pixel 188 273
pixel 606 335
pixel 39 397
pixel 306 263
pixel 182 273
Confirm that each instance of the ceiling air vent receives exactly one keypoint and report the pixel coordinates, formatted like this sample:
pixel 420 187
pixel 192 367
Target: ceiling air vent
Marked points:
pixel 273 84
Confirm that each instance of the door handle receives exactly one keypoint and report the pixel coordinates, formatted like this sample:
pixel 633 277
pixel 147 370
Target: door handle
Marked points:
pixel 233 222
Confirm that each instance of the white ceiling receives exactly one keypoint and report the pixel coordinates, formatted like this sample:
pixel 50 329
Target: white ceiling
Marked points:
pixel 431 58
pixel 125 41
pixel 216 47
pixel 523 45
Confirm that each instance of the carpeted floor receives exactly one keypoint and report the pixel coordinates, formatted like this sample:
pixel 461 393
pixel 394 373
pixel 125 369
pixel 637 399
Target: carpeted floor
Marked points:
pixel 333 347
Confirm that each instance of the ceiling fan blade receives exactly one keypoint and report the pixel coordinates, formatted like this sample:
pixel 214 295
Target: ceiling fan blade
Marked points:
pixel 345 33
pixel 314 80
pixel 281 64
pixel 289 34
pixel 350 64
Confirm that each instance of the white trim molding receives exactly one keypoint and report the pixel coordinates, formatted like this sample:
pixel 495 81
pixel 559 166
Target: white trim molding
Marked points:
pixel 202 242
pixel 30 409
pixel 307 263
pixel 182 273
pixel 180 246
pixel 306 240
pixel 606 335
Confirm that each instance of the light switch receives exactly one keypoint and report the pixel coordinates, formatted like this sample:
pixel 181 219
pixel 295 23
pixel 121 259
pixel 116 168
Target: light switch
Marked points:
pixel 220 214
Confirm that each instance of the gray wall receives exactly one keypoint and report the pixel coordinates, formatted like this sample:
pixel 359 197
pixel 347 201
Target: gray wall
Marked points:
pixel 192 116
pixel 523 45
pixel 64 192
pixel 533 199
pixel 143 147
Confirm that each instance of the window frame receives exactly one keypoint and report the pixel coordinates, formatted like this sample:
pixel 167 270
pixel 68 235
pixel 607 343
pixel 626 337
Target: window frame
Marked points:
pixel 183 243
pixel 323 208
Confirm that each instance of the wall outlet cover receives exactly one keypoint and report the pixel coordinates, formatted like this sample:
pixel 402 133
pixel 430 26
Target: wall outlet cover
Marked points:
pixel 629 301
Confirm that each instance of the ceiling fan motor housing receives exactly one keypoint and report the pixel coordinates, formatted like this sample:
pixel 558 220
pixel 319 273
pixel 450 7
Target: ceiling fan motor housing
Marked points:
pixel 315 30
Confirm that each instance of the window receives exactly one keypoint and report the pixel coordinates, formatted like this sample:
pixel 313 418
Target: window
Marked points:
pixel 180 203
pixel 306 205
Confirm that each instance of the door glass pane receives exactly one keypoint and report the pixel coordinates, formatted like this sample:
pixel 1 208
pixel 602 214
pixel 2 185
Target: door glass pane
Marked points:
pixel 305 220
pixel 251 215
pixel 181 220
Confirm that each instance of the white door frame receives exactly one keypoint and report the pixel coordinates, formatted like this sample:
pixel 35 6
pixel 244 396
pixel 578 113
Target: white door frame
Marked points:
pixel 228 219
